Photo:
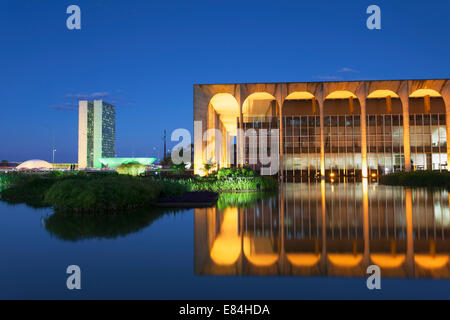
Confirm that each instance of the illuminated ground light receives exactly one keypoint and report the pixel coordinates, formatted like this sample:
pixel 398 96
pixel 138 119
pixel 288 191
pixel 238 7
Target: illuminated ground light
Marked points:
pixel 115 162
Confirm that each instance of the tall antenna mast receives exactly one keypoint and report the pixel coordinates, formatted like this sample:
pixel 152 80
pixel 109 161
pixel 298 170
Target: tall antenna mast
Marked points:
pixel 165 151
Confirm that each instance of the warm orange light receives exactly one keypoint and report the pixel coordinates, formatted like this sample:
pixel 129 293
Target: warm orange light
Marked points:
pixel 425 92
pixel 226 248
pixel 341 95
pixel 332 174
pixel 382 94
pixel 374 175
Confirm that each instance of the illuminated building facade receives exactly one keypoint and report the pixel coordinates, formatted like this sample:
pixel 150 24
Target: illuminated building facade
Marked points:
pixel 354 128
pixel 96 133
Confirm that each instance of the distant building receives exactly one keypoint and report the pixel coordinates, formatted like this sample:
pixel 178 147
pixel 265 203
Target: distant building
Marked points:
pixel 96 133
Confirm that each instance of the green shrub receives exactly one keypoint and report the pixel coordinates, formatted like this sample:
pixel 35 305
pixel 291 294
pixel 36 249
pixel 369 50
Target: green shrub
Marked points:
pixel 178 168
pixel 110 193
pixel 235 173
pixel 30 190
pixel 13 177
pixel 241 199
pixel 132 169
pixel 168 187
pixel 102 194
pixel 75 227
pixel 418 179
pixel 235 184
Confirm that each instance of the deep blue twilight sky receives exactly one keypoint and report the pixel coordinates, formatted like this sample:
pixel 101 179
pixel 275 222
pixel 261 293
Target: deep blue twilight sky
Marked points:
pixel 145 56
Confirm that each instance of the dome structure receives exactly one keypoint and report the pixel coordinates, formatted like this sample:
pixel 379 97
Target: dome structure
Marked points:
pixel 34 164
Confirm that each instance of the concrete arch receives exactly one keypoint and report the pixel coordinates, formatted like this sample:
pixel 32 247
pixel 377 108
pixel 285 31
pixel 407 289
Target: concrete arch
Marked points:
pixel 300 95
pixel 437 85
pixel 248 107
pixel 420 93
pixel 382 93
pixel 274 89
pixel 227 108
pixel 341 94
pixel 309 104
pixel 357 88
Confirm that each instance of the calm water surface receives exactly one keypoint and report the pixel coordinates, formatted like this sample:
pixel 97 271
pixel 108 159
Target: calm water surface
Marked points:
pixel 309 241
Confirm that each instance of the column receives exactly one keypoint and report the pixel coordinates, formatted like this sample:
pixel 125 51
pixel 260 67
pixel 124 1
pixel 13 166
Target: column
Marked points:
pixel 324 259
pixel 447 124
pixel 409 234
pixel 240 139
pixel 322 139
pixel 363 137
pixel 404 97
pixel 281 135
pixel 365 187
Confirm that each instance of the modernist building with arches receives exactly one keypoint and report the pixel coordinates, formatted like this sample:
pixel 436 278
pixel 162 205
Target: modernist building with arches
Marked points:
pixel 358 128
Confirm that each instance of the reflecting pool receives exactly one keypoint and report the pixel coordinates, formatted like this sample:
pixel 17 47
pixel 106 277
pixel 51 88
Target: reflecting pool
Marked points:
pixel 308 241
pixel 329 230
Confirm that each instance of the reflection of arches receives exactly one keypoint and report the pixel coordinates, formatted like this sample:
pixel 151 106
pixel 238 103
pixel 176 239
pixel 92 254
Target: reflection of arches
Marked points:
pixel 303 259
pixel 345 260
pixel 427 261
pixel 388 260
pixel 259 251
pixel 226 248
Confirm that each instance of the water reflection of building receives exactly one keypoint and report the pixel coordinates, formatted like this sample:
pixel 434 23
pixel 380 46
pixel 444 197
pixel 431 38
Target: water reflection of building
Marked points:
pixel 328 230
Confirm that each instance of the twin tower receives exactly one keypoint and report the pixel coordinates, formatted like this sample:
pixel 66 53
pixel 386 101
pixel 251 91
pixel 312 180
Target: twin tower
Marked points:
pixel 96 133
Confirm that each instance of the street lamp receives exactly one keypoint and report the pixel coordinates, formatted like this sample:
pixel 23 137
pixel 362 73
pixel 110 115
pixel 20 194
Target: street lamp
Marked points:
pixel 53 157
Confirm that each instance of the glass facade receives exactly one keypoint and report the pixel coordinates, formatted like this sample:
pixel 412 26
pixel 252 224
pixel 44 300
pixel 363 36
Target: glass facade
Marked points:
pixel 428 141
pixel 342 143
pixel 108 131
pixel 301 145
pixel 385 152
pixel 252 127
